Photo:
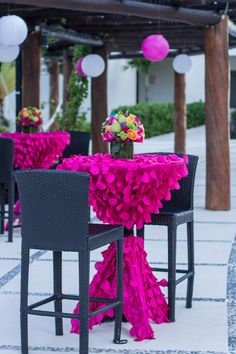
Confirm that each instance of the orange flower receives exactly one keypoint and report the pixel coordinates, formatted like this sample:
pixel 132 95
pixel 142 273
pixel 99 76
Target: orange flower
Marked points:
pixel 132 134
pixel 108 128
pixel 130 118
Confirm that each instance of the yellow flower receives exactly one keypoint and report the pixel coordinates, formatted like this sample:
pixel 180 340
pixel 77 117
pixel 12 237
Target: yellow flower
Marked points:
pixel 132 134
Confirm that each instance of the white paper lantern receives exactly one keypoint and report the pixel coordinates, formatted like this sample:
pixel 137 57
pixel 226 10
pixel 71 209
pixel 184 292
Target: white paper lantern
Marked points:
pixel 8 53
pixel 182 63
pixel 93 65
pixel 13 30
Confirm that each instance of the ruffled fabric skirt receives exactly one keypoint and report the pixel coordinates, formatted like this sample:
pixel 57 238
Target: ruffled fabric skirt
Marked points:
pixel 143 299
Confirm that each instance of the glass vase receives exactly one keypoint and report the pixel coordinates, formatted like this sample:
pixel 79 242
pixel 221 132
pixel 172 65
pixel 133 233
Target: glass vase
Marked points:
pixel 30 129
pixel 124 149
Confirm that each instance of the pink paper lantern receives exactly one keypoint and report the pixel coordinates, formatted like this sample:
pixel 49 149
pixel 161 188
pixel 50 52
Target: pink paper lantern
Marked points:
pixel 155 47
pixel 78 67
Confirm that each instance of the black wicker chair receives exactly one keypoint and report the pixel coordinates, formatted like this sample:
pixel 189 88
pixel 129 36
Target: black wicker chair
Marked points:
pixel 177 211
pixel 7 185
pixel 79 144
pixel 55 215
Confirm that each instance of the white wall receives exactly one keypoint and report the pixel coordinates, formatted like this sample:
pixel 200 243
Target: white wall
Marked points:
pixel 161 81
pixel 121 88
pixel 121 84
pixel 195 80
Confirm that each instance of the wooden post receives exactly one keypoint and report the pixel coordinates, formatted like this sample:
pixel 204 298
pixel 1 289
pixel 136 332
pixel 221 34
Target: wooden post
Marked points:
pixel 99 104
pixel 217 108
pixel 31 70
pixel 67 67
pixel 180 113
pixel 54 86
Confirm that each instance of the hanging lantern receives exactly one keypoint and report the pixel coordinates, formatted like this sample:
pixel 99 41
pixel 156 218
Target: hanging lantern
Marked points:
pixel 8 53
pixel 93 65
pixel 155 47
pixel 182 63
pixel 13 30
pixel 78 67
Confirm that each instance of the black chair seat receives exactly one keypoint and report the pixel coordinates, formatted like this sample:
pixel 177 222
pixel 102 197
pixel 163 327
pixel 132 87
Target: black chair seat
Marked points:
pixel 55 217
pixel 100 235
pixel 179 210
pixel 178 216
pixel 7 185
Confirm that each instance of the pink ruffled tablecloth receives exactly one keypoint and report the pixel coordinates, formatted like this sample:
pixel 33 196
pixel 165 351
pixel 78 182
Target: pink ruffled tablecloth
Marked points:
pixel 38 150
pixel 33 151
pixel 126 192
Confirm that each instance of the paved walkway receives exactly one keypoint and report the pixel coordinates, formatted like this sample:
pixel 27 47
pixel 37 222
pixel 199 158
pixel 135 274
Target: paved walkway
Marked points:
pixel 209 327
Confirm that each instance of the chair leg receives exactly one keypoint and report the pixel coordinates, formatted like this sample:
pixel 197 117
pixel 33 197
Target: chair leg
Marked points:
pixel 57 285
pixel 119 292
pixel 171 271
pixel 84 259
pixel 24 300
pixel 190 242
pixel 140 232
pixel 11 192
pixel 2 206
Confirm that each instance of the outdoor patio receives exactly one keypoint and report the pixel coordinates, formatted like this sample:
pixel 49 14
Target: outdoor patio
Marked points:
pixel 209 327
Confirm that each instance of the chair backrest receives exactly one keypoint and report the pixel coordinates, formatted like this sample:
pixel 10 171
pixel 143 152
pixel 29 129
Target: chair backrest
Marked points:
pixel 54 209
pixel 183 198
pixel 79 144
pixel 6 159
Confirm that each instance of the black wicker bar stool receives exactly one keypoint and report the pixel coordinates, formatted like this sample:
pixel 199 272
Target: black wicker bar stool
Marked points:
pixel 179 210
pixel 7 185
pixel 55 216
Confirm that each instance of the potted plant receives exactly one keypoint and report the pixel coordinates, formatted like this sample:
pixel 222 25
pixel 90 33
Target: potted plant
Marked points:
pixel 29 119
pixel 121 130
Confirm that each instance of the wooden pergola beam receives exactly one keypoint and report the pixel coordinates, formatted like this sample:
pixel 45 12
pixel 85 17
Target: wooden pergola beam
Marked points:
pixel 99 104
pixel 70 35
pixel 180 113
pixel 217 110
pixel 31 53
pixel 129 8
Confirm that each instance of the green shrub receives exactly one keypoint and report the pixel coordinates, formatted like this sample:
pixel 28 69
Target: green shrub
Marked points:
pixel 157 118
pixel 195 114
pixel 233 115
pixel 3 129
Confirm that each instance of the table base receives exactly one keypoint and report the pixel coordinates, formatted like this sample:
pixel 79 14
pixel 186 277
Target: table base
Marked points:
pixel 143 298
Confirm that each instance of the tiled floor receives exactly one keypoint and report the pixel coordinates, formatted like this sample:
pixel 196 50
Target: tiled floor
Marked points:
pixel 208 328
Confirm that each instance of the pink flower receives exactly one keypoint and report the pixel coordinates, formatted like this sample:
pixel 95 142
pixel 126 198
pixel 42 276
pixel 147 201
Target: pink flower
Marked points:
pixel 108 136
pixel 111 120
pixel 139 139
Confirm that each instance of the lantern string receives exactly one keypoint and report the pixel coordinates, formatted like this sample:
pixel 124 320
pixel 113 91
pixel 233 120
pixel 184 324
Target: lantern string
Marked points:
pixel 184 45
pixel 8 7
pixel 159 18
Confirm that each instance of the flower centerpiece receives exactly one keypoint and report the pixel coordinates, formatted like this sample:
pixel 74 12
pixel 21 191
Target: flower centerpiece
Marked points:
pixel 121 130
pixel 29 119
